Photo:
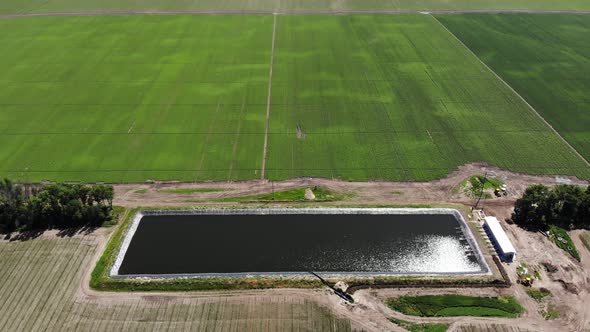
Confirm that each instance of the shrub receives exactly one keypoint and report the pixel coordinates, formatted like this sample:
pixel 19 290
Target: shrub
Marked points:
pixel 538 294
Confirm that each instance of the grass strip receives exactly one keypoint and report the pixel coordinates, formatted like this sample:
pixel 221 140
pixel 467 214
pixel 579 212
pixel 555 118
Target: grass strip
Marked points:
pixel 561 238
pixel 292 195
pixel 585 238
pixel 456 305
pixel 420 327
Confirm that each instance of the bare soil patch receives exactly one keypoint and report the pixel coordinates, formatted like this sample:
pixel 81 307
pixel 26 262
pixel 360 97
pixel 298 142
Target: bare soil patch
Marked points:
pixel 441 191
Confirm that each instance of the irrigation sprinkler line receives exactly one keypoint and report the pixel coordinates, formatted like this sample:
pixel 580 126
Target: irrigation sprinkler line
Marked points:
pixel 268 97
pixel 531 108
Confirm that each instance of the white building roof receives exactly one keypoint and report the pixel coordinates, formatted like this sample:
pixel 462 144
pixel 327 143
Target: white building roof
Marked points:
pixel 500 235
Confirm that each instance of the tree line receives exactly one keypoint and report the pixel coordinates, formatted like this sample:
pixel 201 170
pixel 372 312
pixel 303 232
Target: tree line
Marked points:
pixel 25 207
pixel 566 206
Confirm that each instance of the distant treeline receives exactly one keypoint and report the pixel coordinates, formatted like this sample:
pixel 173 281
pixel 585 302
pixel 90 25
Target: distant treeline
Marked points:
pixel 566 206
pixel 26 207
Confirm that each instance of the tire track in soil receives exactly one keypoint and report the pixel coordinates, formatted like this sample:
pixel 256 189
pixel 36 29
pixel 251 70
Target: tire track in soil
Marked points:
pixel 268 98
pixel 237 139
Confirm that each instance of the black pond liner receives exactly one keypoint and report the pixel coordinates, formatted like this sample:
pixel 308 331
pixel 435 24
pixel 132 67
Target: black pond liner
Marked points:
pixel 294 241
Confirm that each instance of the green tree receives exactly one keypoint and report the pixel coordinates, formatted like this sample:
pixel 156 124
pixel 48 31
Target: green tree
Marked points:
pixel 583 216
pixel 53 206
pixel 566 206
pixel 562 205
pixel 530 210
pixel 11 206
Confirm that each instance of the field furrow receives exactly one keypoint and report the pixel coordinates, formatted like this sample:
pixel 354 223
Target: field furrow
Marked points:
pixel 545 58
pixel 396 98
pixel 40 294
pixel 358 97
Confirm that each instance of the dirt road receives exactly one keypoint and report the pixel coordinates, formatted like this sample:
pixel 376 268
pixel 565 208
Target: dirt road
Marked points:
pixel 446 190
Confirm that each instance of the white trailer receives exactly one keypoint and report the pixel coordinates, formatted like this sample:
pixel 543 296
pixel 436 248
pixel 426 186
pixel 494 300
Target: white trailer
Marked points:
pixel 499 238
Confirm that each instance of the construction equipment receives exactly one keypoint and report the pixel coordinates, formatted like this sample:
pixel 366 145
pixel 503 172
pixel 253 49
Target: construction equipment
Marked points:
pixel 341 293
pixel 524 278
pixel 498 192
pixel 526 281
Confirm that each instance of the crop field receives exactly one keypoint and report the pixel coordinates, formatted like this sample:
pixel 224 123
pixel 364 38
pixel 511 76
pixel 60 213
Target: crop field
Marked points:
pixel 127 99
pixel 397 98
pixel 39 280
pixel 133 98
pixel 44 6
pixel 545 58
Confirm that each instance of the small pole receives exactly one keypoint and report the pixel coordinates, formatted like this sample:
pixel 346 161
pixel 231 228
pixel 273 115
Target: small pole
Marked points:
pixel 485 179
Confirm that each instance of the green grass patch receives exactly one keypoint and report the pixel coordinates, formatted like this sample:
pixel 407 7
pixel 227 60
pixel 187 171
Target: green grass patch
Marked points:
pixel 190 190
pixel 456 305
pixel 488 183
pixel 543 57
pixel 141 191
pixel 562 239
pixel 585 238
pixel 420 327
pixel 550 313
pixel 538 294
pixel 473 186
pixel 293 195
pixel 117 213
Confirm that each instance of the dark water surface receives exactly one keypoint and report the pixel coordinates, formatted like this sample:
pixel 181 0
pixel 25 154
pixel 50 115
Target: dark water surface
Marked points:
pixel 298 243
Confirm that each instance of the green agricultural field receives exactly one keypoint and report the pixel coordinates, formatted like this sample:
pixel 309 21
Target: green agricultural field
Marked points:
pixel 44 6
pixel 397 98
pixel 40 284
pixel 133 98
pixel 545 58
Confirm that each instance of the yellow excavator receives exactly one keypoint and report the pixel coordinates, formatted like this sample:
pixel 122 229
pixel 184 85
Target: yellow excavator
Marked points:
pixel 524 278
pixel 526 281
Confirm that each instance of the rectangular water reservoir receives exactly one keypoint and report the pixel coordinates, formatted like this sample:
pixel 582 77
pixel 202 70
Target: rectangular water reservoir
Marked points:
pixel 295 241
